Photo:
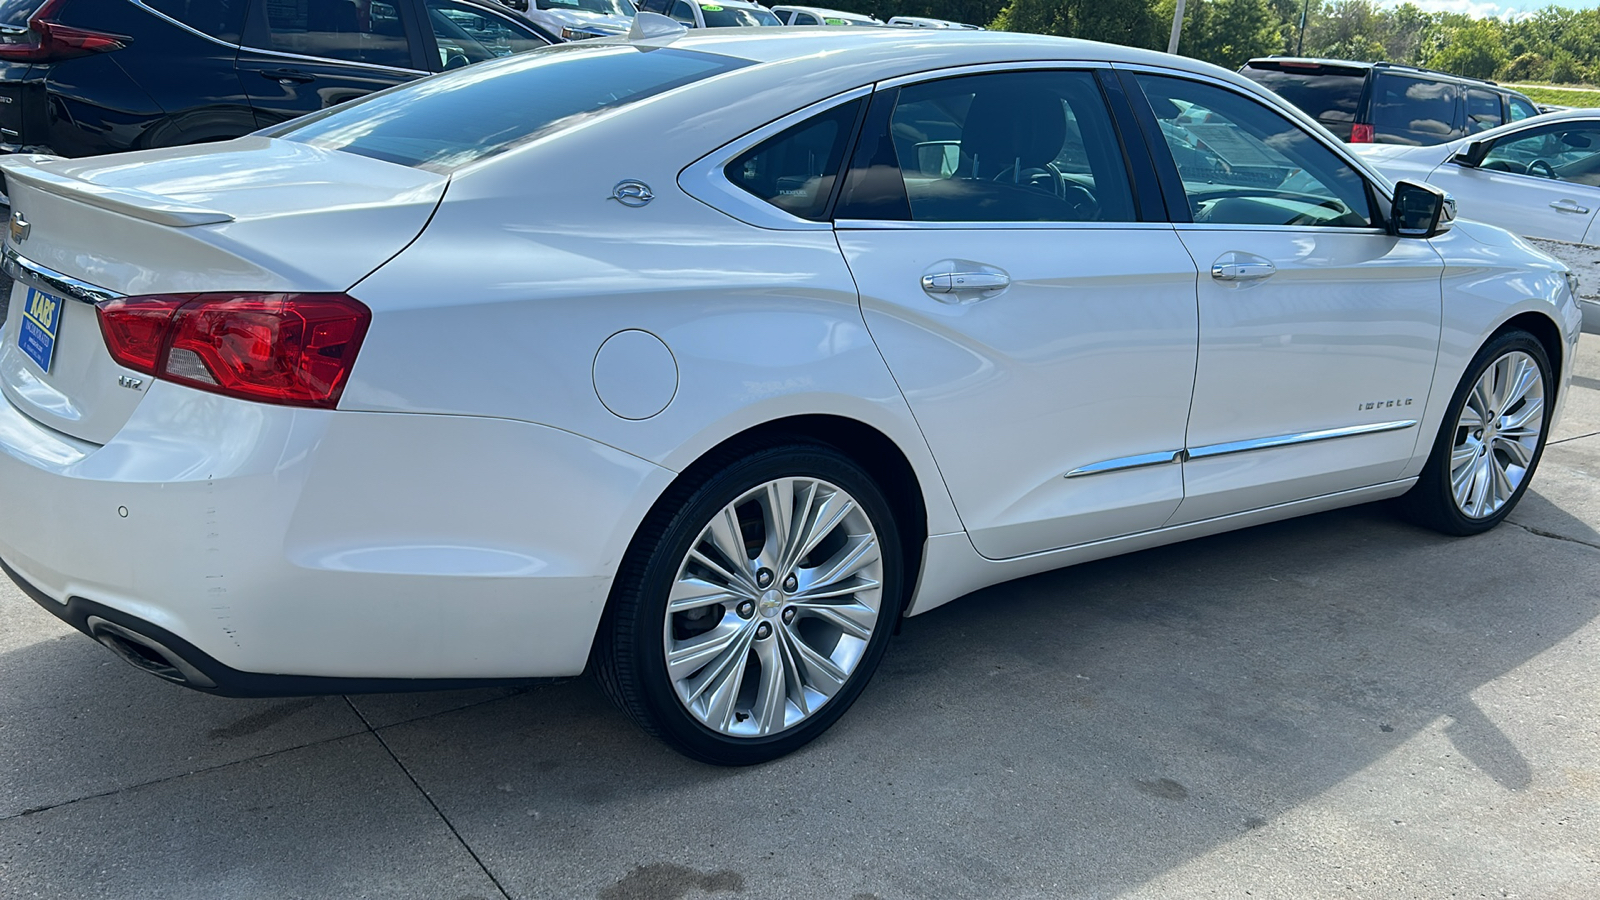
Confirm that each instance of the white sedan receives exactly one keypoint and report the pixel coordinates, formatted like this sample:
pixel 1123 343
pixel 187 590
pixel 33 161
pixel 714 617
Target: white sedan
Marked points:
pixel 1538 177
pixel 452 385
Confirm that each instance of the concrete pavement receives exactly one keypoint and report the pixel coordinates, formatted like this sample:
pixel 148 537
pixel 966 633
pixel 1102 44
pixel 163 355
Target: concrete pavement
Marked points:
pixel 1341 705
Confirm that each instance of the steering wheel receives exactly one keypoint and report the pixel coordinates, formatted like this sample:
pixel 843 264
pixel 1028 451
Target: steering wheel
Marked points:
pixel 1549 171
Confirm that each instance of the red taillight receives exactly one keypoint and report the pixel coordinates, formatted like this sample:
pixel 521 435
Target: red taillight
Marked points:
pixel 48 41
pixel 293 349
pixel 1360 134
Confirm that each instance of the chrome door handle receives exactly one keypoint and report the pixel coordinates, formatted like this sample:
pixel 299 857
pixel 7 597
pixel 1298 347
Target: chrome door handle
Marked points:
pixel 1242 271
pixel 953 282
pixel 1569 206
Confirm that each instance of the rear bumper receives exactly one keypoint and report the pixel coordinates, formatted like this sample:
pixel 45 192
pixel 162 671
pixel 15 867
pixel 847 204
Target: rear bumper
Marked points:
pixel 264 541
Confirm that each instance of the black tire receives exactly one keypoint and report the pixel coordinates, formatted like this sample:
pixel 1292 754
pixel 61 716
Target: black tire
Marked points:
pixel 631 653
pixel 1431 501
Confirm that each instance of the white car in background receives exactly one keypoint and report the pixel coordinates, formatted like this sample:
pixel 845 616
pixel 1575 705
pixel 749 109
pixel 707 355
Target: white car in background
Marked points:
pixel 712 13
pixel 1539 177
pixel 371 401
pixel 576 20
pixel 923 22
pixel 811 15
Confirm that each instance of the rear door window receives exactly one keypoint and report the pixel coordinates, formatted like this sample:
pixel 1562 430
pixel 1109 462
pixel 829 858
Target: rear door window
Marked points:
pixel 1407 110
pixel 1483 110
pixel 1008 147
pixel 370 31
pixel 221 19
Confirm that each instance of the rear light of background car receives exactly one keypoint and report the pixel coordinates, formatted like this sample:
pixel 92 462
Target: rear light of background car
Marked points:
pixel 47 41
pixel 1360 134
pixel 291 349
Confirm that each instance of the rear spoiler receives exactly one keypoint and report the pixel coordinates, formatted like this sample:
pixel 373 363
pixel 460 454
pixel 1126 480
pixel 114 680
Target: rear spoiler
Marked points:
pixel 138 204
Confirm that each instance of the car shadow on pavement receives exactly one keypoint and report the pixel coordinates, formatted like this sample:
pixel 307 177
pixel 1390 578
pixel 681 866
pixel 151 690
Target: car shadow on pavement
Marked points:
pixel 1076 733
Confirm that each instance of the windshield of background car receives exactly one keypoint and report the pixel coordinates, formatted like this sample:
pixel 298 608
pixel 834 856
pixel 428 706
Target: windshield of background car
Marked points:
pixel 718 16
pixel 450 120
pixel 604 7
pixel 1326 93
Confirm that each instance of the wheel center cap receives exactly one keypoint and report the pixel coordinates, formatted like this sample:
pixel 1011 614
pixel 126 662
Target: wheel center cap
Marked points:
pixel 771 602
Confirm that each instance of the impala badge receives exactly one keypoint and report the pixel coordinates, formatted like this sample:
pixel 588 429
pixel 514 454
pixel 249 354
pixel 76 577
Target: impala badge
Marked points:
pixel 19 228
pixel 632 193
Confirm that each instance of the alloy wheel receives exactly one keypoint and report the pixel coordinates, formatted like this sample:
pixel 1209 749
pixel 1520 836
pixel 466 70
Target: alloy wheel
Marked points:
pixel 773 607
pixel 1497 435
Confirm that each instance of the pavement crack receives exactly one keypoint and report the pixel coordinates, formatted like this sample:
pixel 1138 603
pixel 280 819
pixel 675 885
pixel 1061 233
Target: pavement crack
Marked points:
pixel 35 810
pixel 1576 437
pixel 1553 536
pixel 429 797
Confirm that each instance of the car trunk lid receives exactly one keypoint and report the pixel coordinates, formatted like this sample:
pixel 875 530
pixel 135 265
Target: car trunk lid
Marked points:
pixel 251 216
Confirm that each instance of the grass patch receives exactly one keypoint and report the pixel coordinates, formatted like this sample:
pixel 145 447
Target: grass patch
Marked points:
pixel 1559 96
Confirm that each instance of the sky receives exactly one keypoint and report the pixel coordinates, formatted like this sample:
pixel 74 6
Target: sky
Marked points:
pixel 1496 8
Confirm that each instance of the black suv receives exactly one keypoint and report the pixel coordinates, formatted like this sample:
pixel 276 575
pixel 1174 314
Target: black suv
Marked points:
pixel 80 77
pixel 1384 103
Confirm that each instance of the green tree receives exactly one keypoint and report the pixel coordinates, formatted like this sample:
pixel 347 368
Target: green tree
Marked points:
pixel 1475 50
pixel 1131 22
pixel 1229 32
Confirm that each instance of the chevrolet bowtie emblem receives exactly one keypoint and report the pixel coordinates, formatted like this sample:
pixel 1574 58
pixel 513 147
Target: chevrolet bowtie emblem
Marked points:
pixel 19 228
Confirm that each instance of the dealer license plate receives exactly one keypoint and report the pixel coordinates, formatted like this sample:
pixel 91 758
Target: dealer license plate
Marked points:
pixel 41 321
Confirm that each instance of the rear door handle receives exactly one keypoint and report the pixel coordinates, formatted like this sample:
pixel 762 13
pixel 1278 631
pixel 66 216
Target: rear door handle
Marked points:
pixel 288 76
pixel 1236 266
pixel 954 282
pixel 1569 206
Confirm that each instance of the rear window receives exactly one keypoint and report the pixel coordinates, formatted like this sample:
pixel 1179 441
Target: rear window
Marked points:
pixel 1425 109
pixel 451 120
pixel 1326 93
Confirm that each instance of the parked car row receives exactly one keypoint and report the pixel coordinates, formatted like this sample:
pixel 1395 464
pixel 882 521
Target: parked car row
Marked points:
pixel 908 316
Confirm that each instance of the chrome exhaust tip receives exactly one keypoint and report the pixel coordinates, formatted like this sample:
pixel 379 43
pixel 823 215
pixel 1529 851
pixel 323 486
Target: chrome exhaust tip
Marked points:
pixel 146 654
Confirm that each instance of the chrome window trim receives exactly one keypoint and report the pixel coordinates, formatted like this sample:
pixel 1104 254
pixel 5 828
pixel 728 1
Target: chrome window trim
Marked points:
pixel 29 272
pixel 1124 463
pixel 705 179
pixel 904 225
pixel 1297 229
pixel 1287 440
pixel 1081 65
pixel 189 28
pixel 1299 117
pixel 336 61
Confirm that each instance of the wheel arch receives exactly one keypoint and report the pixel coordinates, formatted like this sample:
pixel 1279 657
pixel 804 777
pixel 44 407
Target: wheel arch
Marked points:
pixel 1544 330
pixel 866 445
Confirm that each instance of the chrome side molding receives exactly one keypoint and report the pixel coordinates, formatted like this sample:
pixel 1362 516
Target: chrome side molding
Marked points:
pixel 1304 437
pixel 1123 463
pixel 1128 462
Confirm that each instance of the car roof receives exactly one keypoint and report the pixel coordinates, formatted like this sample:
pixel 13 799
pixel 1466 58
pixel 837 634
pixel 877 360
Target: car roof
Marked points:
pixel 874 48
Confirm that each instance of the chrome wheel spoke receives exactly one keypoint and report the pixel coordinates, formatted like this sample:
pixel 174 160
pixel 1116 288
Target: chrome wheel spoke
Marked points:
pixel 817 670
pixel 694 593
pixel 854 619
pixel 707 653
pixel 788 637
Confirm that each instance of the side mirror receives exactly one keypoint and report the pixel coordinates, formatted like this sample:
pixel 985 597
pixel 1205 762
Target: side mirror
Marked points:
pixel 1421 210
pixel 1472 157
